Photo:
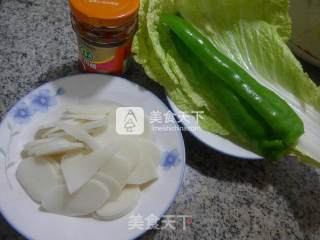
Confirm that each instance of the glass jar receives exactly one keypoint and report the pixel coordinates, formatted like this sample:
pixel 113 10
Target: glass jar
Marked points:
pixel 305 15
pixel 105 29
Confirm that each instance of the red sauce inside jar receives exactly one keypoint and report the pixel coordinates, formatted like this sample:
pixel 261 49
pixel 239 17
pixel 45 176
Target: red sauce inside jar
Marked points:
pixel 105 29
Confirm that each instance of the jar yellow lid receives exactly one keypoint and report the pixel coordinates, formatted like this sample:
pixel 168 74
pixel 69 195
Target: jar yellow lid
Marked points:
pixel 105 13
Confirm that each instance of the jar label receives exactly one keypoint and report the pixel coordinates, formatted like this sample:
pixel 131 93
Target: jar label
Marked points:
pixel 103 59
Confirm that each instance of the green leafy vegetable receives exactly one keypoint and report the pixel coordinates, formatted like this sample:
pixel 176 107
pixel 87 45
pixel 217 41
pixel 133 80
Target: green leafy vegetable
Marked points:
pixel 250 33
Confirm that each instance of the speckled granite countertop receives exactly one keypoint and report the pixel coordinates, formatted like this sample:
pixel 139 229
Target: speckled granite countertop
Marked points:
pixel 228 198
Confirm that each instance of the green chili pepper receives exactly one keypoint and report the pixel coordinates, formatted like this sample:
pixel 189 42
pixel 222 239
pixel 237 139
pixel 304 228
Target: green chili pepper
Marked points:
pixel 235 114
pixel 283 121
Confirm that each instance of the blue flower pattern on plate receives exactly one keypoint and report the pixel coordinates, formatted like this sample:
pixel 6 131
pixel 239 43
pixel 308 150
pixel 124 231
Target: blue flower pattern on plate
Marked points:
pixel 60 91
pixel 41 101
pixel 171 159
pixel 21 113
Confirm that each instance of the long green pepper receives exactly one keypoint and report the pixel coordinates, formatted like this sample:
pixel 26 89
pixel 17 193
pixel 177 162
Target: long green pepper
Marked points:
pixel 252 130
pixel 283 124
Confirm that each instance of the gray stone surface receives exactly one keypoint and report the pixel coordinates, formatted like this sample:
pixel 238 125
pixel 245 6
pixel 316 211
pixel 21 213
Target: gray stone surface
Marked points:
pixel 228 198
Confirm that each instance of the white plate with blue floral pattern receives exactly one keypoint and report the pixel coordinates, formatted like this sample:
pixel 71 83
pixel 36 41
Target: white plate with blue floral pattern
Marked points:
pixel 45 105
